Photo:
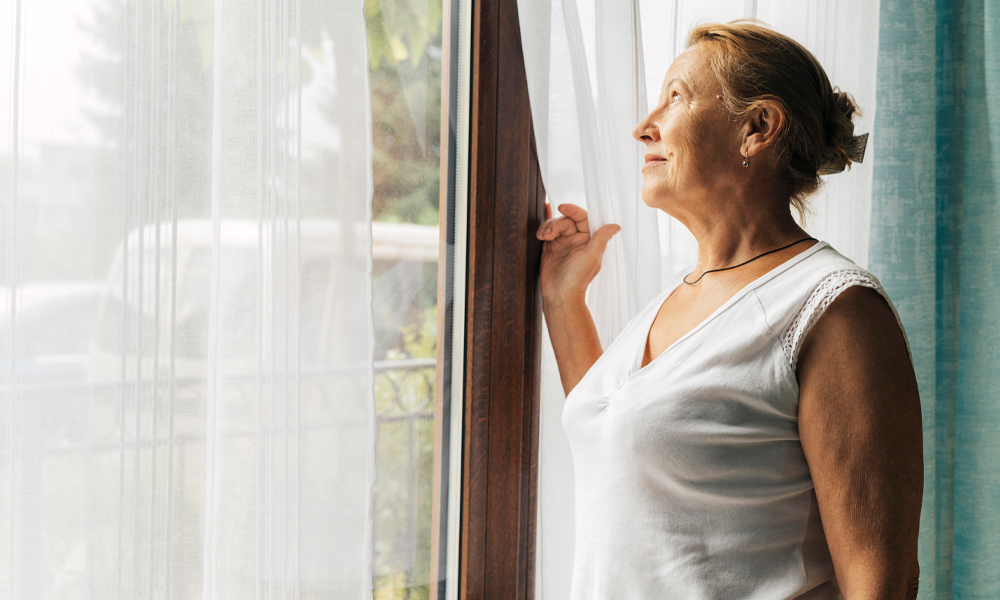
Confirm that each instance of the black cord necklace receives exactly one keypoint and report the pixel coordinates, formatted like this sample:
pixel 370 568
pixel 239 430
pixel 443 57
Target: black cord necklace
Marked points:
pixel 743 263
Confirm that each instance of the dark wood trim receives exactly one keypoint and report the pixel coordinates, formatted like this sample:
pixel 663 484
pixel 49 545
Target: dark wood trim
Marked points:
pixel 503 321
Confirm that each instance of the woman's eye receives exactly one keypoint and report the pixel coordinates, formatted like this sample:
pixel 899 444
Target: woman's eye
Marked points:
pixel 674 96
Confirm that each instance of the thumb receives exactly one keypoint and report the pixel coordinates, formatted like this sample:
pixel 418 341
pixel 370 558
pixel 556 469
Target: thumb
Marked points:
pixel 599 241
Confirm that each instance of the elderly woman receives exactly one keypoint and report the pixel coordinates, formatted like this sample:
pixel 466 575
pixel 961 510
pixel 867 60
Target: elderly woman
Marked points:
pixel 755 432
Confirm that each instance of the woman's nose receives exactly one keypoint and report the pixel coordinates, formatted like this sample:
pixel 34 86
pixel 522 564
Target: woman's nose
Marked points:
pixel 645 131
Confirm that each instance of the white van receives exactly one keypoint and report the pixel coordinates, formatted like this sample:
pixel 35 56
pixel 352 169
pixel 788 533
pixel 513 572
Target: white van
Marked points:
pixel 326 267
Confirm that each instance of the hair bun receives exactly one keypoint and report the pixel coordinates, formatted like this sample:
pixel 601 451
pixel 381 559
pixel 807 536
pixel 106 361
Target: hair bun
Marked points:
pixel 842 147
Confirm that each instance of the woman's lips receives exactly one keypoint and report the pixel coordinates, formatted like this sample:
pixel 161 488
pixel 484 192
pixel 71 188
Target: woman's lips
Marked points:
pixel 652 160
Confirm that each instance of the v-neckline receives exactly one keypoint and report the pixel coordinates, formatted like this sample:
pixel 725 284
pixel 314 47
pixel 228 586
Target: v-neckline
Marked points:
pixel 635 369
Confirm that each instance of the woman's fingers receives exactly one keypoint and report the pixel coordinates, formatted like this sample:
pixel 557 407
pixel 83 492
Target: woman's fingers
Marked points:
pixel 553 228
pixel 578 215
pixel 572 221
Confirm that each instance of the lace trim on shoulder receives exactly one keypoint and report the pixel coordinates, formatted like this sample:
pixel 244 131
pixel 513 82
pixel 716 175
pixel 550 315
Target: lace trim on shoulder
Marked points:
pixel 825 292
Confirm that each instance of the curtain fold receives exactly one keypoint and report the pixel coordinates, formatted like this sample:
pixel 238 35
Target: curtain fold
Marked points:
pixel 934 225
pixel 186 330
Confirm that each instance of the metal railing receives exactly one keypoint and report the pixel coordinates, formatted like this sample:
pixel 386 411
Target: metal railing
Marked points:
pixel 401 500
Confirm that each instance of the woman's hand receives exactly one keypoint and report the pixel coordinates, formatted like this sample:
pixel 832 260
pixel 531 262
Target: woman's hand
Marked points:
pixel 571 256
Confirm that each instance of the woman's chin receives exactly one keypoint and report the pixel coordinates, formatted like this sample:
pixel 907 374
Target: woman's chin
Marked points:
pixel 654 196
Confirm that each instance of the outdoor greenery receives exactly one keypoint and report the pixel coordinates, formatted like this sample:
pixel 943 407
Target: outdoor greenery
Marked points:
pixel 404 49
pixel 403 487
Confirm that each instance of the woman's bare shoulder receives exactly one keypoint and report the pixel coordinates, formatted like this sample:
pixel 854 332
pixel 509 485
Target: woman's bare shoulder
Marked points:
pixel 859 329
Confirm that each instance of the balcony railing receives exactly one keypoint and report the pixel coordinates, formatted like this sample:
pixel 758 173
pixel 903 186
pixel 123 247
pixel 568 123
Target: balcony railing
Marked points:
pixel 404 396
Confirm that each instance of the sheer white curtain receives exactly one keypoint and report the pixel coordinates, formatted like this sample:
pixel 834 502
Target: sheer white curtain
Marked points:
pixel 593 68
pixel 185 332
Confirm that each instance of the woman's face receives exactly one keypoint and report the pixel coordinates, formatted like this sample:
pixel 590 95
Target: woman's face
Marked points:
pixel 693 145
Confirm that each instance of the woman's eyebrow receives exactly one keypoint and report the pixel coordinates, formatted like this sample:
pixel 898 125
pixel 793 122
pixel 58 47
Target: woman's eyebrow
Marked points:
pixel 680 81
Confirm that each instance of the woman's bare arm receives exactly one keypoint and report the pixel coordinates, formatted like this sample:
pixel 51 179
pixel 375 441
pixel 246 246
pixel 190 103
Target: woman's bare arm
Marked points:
pixel 574 338
pixel 571 258
pixel 860 427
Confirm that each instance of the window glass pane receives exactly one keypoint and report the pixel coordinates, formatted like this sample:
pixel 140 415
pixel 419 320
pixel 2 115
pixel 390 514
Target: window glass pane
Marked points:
pixel 184 411
pixel 407 58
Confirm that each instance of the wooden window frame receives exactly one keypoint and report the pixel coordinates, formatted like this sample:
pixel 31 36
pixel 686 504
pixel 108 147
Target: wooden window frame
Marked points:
pixel 506 204
pixel 503 323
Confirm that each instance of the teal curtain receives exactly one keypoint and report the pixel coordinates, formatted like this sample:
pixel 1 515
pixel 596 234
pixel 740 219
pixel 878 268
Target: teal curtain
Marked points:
pixel 935 245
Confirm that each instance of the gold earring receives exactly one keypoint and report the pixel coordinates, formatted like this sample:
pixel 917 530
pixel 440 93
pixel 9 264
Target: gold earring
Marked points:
pixel 746 162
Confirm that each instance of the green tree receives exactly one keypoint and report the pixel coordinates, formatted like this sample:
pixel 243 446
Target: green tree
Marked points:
pixel 404 51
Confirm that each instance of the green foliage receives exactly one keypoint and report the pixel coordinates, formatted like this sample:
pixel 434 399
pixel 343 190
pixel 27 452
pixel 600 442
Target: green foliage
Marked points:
pixel 404 45
pixel 394 586
pixel 420 339
pixel 401 30
pixel 404 41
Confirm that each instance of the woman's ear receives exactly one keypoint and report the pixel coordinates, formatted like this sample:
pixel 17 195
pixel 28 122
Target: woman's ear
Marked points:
pixel 763 127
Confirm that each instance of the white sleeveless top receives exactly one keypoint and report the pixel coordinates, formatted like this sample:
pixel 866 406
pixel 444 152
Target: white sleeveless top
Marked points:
pixel 691 482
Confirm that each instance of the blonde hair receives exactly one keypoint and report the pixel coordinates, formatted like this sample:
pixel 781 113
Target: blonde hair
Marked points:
pixel 757 65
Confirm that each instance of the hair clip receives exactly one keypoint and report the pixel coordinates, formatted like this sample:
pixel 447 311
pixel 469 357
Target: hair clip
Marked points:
pixel 854 152
pixel 856 149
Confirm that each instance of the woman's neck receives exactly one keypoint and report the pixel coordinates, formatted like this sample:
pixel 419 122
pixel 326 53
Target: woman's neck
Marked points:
pixel 741 231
